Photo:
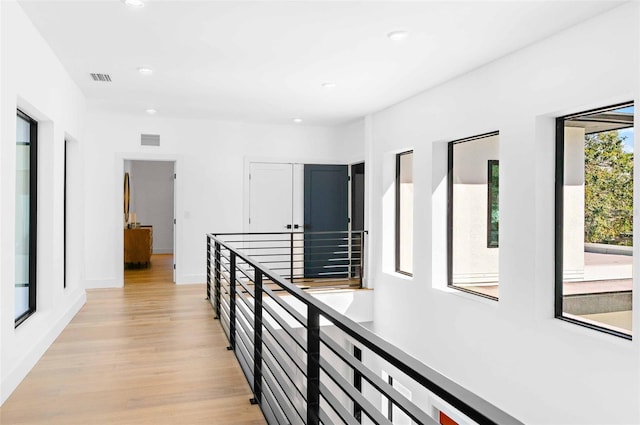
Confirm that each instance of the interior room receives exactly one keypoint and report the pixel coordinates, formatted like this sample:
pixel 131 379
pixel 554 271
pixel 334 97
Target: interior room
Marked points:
pixel 149 218
pixel 319 212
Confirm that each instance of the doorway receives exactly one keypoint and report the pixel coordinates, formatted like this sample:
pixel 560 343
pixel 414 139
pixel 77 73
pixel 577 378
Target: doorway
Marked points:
pixel 357 212
pixel 149 239
pixel 357 196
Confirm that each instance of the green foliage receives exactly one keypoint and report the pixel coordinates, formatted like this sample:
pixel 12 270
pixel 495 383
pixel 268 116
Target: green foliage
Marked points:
pixel 608 189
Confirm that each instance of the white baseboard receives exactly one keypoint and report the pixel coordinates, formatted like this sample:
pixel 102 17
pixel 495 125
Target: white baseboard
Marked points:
pixel 31 357
pixel 103 283
pixel 191 278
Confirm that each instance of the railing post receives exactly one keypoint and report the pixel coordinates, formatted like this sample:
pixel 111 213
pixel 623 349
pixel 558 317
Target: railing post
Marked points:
pixel 313 365
pixel 232 301
pixel 218 266
pixel 357 384
pixel 361 279
pixel 291 258
pixel 209 269
pixel 257 338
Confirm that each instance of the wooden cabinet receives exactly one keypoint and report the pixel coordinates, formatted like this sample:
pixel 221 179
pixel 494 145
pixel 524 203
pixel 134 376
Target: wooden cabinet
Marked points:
pixel 138 246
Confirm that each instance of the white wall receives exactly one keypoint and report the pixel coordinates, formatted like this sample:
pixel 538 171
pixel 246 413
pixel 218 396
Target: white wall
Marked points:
pixel 511 352
pixel 34 81
pixel 350 142
pixel 210 166
pixel 152 200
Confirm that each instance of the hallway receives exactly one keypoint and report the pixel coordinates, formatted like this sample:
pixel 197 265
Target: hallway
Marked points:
pixel 149 353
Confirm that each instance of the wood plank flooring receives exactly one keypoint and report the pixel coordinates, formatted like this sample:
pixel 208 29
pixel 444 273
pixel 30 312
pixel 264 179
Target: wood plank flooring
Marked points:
pixel 149 353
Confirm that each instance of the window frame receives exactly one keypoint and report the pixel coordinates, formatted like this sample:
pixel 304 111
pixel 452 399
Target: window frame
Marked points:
pixel 398 241
pixel 33 217
pixel 450 146
pixel 559 221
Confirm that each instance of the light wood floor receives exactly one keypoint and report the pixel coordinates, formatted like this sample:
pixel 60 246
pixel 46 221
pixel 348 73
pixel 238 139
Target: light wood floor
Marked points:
pixel 150 353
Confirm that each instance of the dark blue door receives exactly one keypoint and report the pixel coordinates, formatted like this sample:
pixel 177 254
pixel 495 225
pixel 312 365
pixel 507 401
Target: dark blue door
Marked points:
pixel 326 210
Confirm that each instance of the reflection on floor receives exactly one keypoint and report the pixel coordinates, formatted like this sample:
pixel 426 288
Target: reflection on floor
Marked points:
pixel 160 270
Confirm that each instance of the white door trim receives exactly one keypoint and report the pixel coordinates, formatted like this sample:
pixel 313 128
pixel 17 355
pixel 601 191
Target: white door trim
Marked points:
pixel 177 205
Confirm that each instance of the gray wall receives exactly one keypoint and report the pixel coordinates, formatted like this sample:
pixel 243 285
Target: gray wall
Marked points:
pixel 152 200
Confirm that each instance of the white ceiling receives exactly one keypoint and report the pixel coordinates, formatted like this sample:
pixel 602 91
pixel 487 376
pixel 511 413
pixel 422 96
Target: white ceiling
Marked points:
pixel 265 61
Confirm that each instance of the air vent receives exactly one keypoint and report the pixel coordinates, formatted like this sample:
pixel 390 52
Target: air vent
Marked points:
pixel 150 139
pixel 101 77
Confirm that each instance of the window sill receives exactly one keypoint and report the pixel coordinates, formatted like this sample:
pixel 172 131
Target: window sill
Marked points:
pixel 472 296
pixel 402 276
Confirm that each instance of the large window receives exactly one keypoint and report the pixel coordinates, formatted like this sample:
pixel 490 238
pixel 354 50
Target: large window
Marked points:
pixel 594 218
pixel 404 213
pixel 473 215
pixel 25 236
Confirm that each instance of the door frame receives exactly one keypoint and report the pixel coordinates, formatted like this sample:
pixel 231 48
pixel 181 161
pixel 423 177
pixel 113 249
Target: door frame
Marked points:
pixel 352 195
pixel 246 184
pixel 311 160
pixel 177 206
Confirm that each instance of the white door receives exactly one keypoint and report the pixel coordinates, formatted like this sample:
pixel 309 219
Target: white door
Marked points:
pixel 271 201
pixel 275 206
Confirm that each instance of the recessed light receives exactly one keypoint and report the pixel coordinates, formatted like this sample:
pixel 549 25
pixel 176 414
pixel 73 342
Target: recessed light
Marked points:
pixel 145 71
pixel 151 111
pixel 133 3
pixel 329 85
pixel 297 120
pixel 398 35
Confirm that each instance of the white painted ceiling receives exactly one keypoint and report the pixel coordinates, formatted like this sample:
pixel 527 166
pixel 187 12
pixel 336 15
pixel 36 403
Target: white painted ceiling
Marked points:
pixel 265 61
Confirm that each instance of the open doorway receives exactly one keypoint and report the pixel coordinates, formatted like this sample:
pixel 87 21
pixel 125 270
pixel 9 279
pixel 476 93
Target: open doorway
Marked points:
pixel 149 214
pixel 357 196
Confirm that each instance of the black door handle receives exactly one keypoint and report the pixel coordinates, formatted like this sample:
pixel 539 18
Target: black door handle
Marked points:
pixel 288 226
pixel 296 226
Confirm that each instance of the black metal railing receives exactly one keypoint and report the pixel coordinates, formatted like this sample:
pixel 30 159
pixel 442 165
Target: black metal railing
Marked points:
pixel 309 364
pixel 327 259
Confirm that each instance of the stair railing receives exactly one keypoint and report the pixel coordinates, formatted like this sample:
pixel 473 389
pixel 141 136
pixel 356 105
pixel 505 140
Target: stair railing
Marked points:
pixel 306 363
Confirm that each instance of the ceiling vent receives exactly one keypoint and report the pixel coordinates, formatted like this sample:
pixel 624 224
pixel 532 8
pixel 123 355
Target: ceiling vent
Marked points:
pixel 101 77
pixel 150 139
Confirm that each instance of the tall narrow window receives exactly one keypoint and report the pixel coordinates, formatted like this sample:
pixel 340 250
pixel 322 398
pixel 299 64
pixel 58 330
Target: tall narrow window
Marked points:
pixel 404 213
pixel 64 218
pixel 493 206
pixel 472 239
pixel 594 218
pixel 25 220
